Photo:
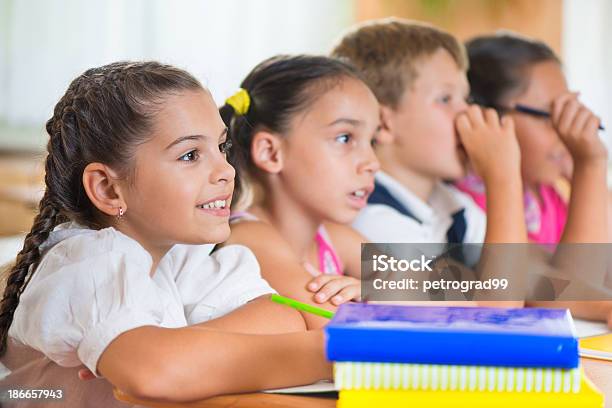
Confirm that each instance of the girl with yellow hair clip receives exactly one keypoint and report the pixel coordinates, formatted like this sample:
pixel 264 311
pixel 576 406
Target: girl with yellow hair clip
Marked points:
pixel 303 128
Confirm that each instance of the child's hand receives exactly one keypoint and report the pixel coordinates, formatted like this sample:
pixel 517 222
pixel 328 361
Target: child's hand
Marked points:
pixel 577 127
pixel 490 144
pixel 340 289
pixel 85 374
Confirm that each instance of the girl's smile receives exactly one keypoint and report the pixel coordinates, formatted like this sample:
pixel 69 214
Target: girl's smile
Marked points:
pixel 218 206
pixel 182 178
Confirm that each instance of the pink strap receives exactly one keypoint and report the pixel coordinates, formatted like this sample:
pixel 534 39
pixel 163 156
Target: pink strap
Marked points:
pixel 329 263
pixel 242 216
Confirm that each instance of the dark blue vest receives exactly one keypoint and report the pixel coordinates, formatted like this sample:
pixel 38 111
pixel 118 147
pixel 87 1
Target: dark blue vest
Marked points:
pixel 454 235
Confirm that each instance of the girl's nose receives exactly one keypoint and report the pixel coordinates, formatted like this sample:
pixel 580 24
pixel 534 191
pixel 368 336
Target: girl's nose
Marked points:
pixel 223 172
pixel 370 163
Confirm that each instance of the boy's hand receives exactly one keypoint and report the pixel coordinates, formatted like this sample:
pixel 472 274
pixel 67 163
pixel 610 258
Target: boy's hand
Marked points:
pixel 578 128
pixel 490 144
pixel 340 289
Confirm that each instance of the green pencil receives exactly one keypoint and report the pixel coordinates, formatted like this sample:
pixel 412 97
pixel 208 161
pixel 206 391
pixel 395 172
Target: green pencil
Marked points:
pixel 302 306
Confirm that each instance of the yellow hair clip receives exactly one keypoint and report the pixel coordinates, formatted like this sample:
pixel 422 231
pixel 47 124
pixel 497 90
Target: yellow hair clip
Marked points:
pixel 240 101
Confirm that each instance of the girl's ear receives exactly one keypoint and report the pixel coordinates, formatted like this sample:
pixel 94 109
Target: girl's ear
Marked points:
pixel 387 115
pixel 102 188
pixel 266 152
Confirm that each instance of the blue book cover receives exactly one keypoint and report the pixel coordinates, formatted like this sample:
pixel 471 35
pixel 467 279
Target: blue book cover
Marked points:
pixel 526 337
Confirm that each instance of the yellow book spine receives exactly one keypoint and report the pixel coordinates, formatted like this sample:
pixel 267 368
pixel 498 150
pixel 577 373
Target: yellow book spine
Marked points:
pixel 588 397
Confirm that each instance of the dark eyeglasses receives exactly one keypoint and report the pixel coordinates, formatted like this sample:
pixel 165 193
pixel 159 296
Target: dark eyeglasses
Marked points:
pixel 528 110
pixel 535 112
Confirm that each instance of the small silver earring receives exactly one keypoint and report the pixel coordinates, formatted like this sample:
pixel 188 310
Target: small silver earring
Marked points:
pixel 120 215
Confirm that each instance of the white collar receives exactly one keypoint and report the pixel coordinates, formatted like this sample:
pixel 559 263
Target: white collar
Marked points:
pixel 71 229
pixel 443 200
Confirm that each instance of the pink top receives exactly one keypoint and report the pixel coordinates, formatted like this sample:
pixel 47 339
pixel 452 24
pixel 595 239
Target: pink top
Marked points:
pixel 329 262
pixel 545 221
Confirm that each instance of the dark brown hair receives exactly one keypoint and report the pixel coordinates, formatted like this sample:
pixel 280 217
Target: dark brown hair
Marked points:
pixel 279 88
pixel 500 64
pixel 105 113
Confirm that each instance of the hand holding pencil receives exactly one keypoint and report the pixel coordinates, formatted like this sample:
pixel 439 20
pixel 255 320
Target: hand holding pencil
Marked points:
pixel 578 128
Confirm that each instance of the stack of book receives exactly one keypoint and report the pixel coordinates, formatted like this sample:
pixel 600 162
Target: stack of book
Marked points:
pixel 456 356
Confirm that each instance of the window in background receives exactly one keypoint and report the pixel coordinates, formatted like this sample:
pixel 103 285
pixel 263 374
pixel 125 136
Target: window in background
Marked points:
pixel 587 56
pixel 45 44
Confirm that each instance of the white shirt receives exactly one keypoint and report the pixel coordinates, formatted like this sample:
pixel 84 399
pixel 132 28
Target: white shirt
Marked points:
pixel 91 286
pixel 381 223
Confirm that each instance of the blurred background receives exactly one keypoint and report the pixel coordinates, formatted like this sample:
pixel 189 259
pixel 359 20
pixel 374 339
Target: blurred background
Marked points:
pixel 44 44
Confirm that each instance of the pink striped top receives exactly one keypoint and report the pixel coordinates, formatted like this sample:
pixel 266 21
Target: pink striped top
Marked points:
pixel 545 220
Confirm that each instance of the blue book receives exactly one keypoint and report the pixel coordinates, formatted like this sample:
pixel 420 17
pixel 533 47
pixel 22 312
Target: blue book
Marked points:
pixel 528 337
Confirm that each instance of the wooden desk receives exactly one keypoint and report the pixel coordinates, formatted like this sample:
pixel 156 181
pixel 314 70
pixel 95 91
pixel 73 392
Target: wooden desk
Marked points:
pixel 600 373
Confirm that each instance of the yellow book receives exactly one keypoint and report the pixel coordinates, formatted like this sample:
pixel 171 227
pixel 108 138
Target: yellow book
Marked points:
pixel 588 397
pixel 599 347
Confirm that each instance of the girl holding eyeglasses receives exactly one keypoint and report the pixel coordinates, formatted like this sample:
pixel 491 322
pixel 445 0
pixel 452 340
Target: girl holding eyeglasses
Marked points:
pixel 557 134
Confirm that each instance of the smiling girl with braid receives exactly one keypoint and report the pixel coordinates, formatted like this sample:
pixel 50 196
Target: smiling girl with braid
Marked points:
pixel 114 274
